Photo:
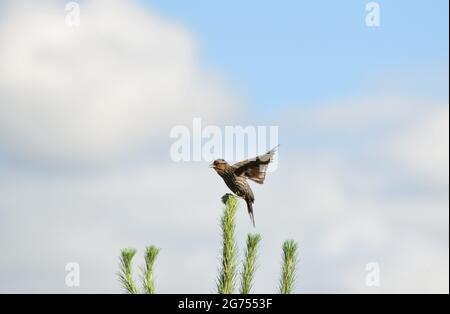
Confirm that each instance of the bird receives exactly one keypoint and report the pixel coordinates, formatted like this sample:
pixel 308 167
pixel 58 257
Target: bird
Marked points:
pixel 236 176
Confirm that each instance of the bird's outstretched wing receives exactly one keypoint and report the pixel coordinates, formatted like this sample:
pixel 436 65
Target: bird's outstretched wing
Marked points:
pixel 255 168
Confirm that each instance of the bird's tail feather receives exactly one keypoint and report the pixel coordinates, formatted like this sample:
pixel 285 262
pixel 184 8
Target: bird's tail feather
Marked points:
pixel 250 210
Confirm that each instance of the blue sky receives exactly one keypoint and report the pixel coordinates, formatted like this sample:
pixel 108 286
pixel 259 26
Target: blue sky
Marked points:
pixel 308 52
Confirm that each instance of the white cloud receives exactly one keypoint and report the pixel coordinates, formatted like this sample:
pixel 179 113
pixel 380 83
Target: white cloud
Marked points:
pixel 343 215
pixel 413 266
pixel 55 220
pixel 375 189
pixel 99 91
pixel 423 148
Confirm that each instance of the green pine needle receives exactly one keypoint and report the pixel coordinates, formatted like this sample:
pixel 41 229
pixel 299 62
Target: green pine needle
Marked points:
pixel 288 271
pixel 151 252
pixel 227 274
pixel 249 267
pixel 126 274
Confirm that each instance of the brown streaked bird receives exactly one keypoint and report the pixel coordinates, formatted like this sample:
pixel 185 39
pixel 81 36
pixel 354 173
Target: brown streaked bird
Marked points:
pixel 235 176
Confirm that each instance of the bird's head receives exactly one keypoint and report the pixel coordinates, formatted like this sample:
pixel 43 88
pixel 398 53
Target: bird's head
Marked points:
pixel 219 165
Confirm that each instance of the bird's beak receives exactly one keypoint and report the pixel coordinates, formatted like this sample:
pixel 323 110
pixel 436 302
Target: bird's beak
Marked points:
pixel 211 165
